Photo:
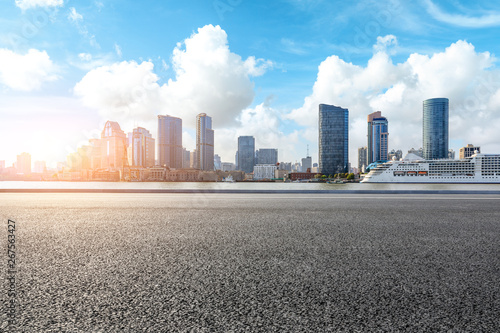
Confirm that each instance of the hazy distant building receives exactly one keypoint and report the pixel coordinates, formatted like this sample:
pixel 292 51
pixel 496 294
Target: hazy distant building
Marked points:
pixel 204 142
pixel 23 164
pixel 468 151
pixel 227 166
pixel 193 162
pixel 113 146
pixel 266 156
pixel 362 158
pixel 333 139
pixel 451 154
pixel 141 148
pixel 186 158
pixel 398 154
pixel 435 128
pixel 217 162
pixel 246 153
pixel 285 166
pixel 306 164
pixel 170 142
pixel 39 167
pixel 378 137
pixel 418 152
pixel 264 171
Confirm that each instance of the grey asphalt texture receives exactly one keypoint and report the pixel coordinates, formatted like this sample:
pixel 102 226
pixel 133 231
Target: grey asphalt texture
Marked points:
pixel 254 263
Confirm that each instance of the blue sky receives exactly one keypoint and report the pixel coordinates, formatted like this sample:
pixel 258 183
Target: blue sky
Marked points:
pixel 258 67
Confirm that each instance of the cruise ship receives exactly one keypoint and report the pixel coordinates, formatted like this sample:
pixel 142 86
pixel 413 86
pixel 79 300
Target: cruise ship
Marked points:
pixel 479 168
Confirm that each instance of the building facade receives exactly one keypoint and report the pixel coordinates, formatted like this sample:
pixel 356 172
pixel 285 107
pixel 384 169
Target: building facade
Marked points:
pixel 333 139
pixel 23 164
pixel 264 171
pixel 397 154
pixel 113 146
pixel 435 128
pixel 306 164
pixel 362 159
pixel 170 142
pixel 266 156
pixel 468 151
pixel 204 142
pixel 246 153
pixel 141 148
pixel 378 137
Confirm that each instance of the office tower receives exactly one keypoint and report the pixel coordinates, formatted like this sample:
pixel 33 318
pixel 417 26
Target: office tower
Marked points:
pixel 141 148
pixel 170 142
pixel 468 151
pixel 378 137
pixel 285 166
pixel 435 128
pixel 24 164
pixel 193 162
pixel 306 164
pixel 186 158
pixel 333 139
pixel 362 158
pixel 217 162
pixel 246 153
pixel 204 142
pixel 113 146
pixel 266 156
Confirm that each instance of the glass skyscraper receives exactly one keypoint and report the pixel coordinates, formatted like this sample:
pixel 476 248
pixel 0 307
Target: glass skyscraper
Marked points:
pixel 204 142
pixel 246 153
pixel 170 141
pixel 333 139
pixel 378 137
pixel 435 128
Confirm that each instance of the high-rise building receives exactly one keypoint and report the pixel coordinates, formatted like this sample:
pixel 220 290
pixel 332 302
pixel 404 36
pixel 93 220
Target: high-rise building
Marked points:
pixel 193 159
pixel 362 159
pixel 468 151
pixel 113 146
pixel 333 139
pixel 24 164
pixel 246 153
pixel 186 158
pixel 306 164
pixel 170 142
pixel 217 162
pixel 141 148
pixel 204 142
pixel 435 128
pixel 378 137
pixel 266 156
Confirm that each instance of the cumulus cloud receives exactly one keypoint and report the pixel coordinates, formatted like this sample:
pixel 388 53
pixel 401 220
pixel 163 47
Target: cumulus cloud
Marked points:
pixel 386 44
pixel 74 15
pixel 489 20
pixel 26 72
pixel 467 77
pixel 27 4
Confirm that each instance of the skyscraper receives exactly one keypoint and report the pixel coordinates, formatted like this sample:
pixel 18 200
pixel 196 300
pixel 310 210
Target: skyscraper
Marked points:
pixel 468 151
pixel 113 146
pixel 306 163
pixel 170 141
pixel 23 164
pixel 362 159
pixel 246 153
pixel 333 139
pixel 435 128
pixel 141 148
pixel 378 137
pixel 266 156
pixel 204 142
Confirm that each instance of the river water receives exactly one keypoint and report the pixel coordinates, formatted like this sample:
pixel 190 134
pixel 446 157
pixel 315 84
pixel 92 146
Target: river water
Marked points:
pixel 244 186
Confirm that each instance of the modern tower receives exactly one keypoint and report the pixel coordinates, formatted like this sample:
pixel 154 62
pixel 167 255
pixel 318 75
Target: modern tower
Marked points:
pixel 204 142
pixel 378 137
pixel 333 139
pixel 170 142
pixel 435 129
pixel 266 156
pixel 113 146
pixel 246 153
pixel 141 148
pixel 362 159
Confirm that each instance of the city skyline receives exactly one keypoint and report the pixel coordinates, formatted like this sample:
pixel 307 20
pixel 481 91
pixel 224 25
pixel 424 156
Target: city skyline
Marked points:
pixel 67 66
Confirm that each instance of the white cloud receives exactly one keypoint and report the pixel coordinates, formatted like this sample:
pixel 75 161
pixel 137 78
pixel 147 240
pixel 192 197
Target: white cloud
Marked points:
pixel 26 72
pixel 74 15
pixel 27 4
pixel 386 44
pixel 461 74
pixel 118 50
pixel 489 20
pixel 85 56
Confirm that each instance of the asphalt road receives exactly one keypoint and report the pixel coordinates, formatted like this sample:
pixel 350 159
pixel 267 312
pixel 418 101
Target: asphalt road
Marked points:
pixel 253 263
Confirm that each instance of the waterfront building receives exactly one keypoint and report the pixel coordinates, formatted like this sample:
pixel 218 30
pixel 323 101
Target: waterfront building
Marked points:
pixel 23 164
pixel 266 156
pixel 285 166
pixel 193 159
pixel 362 158
pixel 435 128
pixel 307 164
pixel 186 158
pixel 217 162
pixel 141 148
pixel 204 142
pixel 246 153
pixel 378 137
pixel 227 166
pixel 113 146
pixel 38 167
pixel 451 154
pixel 170 141
pixel 333 139
pixel 264 171
pixel 468 151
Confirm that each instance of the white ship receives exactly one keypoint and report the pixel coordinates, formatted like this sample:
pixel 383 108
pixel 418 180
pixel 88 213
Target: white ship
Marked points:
pixel 479 168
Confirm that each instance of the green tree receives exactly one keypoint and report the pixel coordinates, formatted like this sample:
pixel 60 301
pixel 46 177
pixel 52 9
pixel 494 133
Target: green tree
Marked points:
pixel 350 176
